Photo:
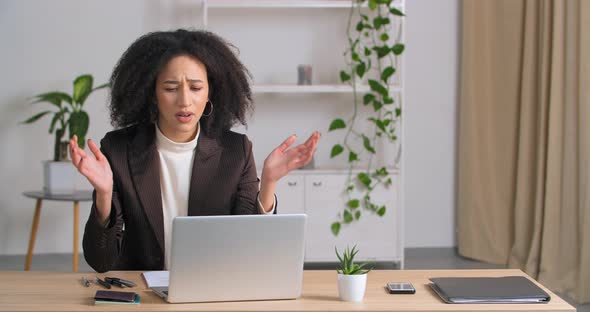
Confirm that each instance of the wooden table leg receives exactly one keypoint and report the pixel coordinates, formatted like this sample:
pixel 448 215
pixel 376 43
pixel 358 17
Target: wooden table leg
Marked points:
pixel 75 255
pixel 33 235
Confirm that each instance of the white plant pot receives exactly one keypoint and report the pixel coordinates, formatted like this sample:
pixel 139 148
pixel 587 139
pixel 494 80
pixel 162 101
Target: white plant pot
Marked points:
pixel 352 287
pixel 59 177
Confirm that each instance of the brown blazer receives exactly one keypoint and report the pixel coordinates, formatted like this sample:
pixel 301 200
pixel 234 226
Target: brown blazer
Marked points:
pixel 223 181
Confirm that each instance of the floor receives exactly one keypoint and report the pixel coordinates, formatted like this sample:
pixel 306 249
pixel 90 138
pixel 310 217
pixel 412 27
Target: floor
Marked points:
pixel 415 258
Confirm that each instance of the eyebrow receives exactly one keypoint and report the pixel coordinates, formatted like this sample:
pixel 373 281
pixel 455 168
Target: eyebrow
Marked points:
pixel 176 81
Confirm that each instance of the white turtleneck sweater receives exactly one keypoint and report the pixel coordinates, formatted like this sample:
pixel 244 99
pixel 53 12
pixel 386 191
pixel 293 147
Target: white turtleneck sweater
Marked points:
pixel 176 164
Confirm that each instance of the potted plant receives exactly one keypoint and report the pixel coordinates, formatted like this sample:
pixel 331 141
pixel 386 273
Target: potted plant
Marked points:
pixel 374 46
pixel 69 114
pixel 352 277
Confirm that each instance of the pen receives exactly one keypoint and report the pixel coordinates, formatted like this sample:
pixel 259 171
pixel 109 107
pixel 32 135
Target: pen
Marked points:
pixel 85 281
pixel 114 281
pixel 103 283
pixel 120 282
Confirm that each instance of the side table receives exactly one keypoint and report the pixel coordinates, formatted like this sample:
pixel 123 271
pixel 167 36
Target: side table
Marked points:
pixel 76 197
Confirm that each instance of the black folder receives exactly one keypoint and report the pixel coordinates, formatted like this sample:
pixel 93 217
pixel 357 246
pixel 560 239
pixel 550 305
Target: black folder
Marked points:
pixel 507 289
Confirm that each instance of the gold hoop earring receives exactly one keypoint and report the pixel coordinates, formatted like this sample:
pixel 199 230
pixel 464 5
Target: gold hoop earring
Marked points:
pixel 210 110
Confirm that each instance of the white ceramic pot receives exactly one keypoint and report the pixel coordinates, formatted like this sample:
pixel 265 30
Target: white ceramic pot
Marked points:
pixel 352 287
pixel 59 177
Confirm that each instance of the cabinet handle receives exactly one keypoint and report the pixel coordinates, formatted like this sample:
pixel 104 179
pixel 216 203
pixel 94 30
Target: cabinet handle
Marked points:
pixel 317 183
pixel 292 183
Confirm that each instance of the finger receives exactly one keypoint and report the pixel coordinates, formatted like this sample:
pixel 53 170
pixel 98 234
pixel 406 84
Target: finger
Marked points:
pixel 95 150
pixel 313 139
pixel 288 142
pixel 75 153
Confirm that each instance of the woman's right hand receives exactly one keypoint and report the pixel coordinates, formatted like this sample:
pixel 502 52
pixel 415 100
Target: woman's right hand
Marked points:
pixel 97 170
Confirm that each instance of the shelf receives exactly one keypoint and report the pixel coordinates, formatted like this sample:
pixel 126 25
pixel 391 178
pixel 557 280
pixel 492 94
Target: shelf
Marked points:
pixel 282 4
pixel 337 88
pixel 391 170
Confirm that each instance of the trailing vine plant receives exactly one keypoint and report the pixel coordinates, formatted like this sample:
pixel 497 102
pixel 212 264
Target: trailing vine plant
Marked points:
pixel 372 55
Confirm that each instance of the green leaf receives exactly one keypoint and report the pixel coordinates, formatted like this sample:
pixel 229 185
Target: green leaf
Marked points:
pixel 36 117
pixel 104 85
pixel 337 254
pixel 54 98
pixel 381 211
pixel 380 21
pixel 378 123
pixel 82 88
pixel 361 68
pixel 364 178
pixel 78 125
pixel 377 87
pixel 356 57
pixel 335 229
pixel 344 76
pixel 352 156
pixel 398 112
pixel 398 48
pixel 336 150
pixel 387 100
pixel 377 105
pixel 372 5
pixel 353 203
pixel 387 72
pixel 367 144
pixel 55 119
pixel 347 216
pixel 364 17
pixel 359 26
pixel 357 214
pixel 382 51
pixel 381 172
pixel 367 51
pixel 368 98
pixel 337 124
pixel 384 37
pixel 350 188
pixel 388 182
pixel 396 12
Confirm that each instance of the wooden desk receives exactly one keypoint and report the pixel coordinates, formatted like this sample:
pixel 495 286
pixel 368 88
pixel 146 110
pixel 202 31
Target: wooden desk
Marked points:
pixel 51 291
pixel 76 197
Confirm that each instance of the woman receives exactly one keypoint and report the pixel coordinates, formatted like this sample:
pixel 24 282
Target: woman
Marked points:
pixel 174 96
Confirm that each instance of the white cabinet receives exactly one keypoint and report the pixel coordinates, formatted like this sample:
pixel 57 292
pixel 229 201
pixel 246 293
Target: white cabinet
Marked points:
pixel 291 194
pixel 321 196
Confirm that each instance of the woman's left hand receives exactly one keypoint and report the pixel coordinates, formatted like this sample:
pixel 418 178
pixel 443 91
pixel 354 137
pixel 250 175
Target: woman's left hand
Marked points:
pixel 283 159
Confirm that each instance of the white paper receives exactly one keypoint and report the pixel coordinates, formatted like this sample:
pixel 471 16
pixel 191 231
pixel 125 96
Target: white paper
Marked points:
pixel 156 278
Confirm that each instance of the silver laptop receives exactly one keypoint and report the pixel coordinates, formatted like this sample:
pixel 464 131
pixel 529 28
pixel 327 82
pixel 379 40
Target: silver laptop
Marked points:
pixel 231 258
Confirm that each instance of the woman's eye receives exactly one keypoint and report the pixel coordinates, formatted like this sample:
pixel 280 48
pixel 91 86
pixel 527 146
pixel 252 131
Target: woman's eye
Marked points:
pixel 196 88
pixel 170 89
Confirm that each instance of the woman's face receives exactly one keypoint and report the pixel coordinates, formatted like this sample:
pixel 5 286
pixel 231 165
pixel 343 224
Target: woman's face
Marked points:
pixel 182 91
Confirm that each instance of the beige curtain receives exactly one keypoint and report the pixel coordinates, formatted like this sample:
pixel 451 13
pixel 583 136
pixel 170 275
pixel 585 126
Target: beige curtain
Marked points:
pixel 524 139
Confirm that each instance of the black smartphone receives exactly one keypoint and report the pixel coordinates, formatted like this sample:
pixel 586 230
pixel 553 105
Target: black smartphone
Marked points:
pixel 401 288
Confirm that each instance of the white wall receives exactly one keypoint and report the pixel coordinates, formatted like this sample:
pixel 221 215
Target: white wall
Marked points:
pixel 46 43
pixel 432 62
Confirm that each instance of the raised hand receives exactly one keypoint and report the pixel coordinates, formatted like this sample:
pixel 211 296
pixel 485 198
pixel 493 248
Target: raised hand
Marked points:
pixel 283 159
pixel 97 170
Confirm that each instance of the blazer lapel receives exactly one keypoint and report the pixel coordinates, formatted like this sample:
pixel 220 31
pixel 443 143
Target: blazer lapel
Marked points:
pixel 145 172
pixel 205 165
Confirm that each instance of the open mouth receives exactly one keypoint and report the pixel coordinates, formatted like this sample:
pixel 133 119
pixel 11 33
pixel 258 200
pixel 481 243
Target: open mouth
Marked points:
pixel 184 117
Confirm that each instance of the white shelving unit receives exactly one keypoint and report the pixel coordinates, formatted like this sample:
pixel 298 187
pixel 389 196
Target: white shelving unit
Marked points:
pixel 319 192
pixel 339 88
pixel 282 3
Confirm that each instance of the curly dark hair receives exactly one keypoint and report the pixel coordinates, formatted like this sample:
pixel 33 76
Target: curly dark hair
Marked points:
pixel 133 82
